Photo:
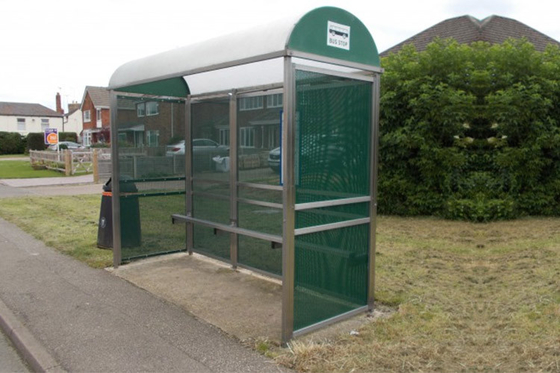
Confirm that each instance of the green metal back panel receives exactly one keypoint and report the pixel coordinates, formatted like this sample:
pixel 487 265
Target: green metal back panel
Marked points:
pixel 333 133
pixel 311 35
pixel 174 87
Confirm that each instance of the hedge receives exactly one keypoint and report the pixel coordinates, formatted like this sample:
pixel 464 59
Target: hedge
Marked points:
pixel 470 131
pixel 12 143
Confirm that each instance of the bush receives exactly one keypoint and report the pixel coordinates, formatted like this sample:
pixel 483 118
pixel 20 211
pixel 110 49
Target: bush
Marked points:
pixel 36 141
pixel 470 131
pixel 68 136
pixel 11 143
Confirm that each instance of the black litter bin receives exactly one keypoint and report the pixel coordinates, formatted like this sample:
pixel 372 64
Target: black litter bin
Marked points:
pixel 130 217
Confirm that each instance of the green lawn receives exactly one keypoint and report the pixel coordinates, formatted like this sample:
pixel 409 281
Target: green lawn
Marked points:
pixel 23 170
pixel 13 156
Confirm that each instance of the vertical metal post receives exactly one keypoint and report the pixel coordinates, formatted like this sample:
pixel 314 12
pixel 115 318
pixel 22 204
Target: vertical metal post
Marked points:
pixel 189 175
pixel 288 198
pixel 115 199
pixel 373 188
pixel 233 176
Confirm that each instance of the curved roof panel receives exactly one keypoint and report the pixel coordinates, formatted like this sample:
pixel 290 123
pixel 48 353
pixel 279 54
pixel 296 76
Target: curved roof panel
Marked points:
pixel 329 32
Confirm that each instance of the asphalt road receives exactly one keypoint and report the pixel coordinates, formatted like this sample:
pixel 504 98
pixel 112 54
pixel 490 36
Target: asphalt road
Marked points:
pixel 10 361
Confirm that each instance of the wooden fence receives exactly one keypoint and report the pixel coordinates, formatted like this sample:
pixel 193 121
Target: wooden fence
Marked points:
pixel 70 162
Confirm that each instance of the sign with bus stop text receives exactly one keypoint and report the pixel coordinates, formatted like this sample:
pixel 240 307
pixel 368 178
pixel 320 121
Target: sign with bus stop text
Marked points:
pixel 51 136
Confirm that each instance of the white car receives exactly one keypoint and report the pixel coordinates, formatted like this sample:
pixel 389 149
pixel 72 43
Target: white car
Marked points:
pixel 200 146
pixel 69 145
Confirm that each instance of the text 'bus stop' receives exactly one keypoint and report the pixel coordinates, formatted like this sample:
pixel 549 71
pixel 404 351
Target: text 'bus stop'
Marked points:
pixel 264 143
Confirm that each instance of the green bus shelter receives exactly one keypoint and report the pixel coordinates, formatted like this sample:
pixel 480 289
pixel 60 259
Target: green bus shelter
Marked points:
pixel 264 144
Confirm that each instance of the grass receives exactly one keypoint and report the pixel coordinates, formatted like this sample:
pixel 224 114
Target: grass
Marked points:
pixel 13 156
pixel 23 170
pixel 460 296
pixel 66 223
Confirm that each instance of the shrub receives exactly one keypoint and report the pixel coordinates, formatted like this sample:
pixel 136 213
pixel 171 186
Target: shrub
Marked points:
pixel 11 143
pixel 68 136
pixel 36 141
pixel 470 131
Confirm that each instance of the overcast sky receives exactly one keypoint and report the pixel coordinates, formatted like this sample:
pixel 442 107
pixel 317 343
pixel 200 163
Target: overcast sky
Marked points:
pixel 63 45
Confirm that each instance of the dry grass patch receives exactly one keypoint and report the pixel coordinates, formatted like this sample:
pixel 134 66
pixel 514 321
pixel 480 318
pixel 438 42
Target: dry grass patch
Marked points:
pixel 468 297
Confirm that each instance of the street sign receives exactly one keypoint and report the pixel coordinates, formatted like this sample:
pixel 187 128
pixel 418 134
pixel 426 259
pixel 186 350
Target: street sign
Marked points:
pixel 51 136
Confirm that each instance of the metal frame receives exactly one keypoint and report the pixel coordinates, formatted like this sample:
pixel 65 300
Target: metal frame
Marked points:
pixel 233 177
pixel 288 199
pixel 115 200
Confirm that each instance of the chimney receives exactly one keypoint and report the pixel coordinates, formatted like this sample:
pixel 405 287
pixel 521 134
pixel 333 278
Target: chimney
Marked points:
pixel 73 107
pixel 59 109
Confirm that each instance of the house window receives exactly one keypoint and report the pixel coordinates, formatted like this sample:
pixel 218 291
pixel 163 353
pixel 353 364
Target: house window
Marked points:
pixel 251 103
pixel 141 109
pixel 152 138
pixel 247 137
pixel 86 140
pixel 152 108
pixel 87 116
pixel 273 101
pixel 122 138
pixel 21 124
pixel 99 120
pixel 224 137
pixel 44 124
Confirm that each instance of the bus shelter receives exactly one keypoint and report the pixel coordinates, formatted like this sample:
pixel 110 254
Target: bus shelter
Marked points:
pixel 264 144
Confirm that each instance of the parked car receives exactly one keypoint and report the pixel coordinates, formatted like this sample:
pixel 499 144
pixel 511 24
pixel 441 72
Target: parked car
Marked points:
pixel 274 160
pixel 203 152
pixel 69 145
pixel 200 146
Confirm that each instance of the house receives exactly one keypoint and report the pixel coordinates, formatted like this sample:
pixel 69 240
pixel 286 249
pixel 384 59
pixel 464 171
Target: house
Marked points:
pixel 73 119
pixel 467 29
pixel 96 116
pixel 24 118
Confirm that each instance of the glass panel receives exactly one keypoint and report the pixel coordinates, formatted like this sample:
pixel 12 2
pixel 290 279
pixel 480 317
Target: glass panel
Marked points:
pixel 211 190
pixel 332 161
pixel 152 183
pixel 259 139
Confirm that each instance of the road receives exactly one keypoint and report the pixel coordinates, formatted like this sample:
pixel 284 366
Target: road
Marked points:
pixel 10 361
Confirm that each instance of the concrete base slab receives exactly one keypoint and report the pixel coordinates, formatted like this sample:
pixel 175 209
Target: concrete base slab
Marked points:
pixel 241 303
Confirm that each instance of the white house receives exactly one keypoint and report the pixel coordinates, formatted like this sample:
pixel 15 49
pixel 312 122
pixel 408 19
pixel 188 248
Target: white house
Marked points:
pixel 73 121
pixel 25 118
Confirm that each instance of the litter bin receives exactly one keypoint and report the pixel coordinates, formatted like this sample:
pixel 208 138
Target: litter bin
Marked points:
pixel 130 217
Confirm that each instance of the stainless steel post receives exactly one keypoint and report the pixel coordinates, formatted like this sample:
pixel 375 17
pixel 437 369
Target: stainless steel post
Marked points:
pixel 115 199
pixel 288 198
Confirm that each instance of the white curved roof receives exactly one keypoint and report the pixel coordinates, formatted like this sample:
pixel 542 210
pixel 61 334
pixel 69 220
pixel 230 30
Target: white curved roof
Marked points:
pixel 267 41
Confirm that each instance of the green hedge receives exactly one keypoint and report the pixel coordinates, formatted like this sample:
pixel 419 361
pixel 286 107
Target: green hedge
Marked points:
pixel 470 131
pixel 36 141
pixel 12 143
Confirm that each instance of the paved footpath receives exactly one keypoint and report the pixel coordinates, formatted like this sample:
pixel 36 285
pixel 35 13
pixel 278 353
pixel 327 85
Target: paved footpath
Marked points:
pixel 65 316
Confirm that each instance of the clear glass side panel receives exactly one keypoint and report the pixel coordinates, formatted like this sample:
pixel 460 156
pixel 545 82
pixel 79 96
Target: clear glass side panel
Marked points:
pixel 152 185
pixel 258 121
pixel 332 161
pixel 211 165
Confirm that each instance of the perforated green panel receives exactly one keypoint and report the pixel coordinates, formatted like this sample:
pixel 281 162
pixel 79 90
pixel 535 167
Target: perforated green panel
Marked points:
pixel 333 137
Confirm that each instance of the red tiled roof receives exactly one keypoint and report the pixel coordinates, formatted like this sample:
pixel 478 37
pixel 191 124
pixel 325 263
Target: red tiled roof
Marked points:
pixel 467 29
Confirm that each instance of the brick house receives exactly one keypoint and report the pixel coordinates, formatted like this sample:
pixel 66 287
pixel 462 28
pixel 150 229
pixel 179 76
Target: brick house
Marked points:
pixel 96 116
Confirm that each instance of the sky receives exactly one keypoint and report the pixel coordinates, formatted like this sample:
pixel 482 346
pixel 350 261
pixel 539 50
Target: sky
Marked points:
pixel 63 45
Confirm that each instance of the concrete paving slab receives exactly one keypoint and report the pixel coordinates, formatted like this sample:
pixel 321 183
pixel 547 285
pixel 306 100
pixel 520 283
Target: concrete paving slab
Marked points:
pixel 47 181
pixel 240 302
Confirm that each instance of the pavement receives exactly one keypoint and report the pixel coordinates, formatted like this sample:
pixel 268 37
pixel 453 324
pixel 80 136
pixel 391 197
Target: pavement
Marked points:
pixel 65 316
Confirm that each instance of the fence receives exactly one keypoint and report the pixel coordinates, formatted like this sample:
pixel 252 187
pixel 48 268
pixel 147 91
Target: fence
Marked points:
pixel 70 162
